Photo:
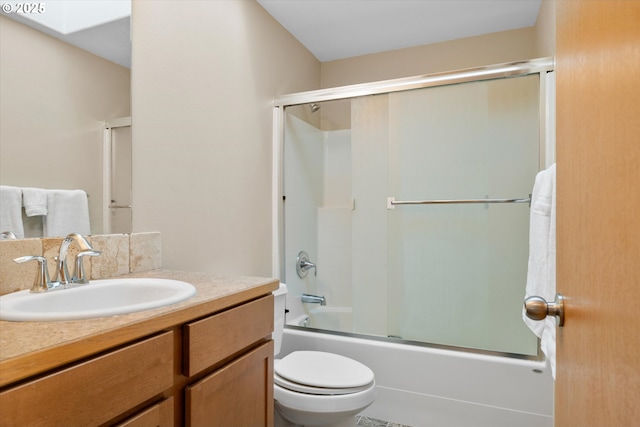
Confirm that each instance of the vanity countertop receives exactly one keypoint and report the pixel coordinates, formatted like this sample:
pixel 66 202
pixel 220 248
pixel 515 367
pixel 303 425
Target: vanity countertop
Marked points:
pixel 29 348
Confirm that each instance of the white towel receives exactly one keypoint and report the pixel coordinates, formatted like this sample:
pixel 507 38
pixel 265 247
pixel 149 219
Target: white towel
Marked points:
pixel 34 201
pixel 11 210
pixel 541 275
pixel 67 212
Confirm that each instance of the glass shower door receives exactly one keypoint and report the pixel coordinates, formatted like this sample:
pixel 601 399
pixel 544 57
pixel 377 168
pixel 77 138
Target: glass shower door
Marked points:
pixel 121 171
pixel 456 272
pixel 434 274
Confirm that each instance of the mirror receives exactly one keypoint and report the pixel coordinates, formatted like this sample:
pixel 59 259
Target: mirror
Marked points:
pixel 64 77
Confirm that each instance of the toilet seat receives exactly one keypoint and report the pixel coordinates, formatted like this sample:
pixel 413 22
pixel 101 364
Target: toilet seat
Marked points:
pixel 320 373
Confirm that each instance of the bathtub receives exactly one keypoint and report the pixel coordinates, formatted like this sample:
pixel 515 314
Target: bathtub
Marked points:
pixel 424 386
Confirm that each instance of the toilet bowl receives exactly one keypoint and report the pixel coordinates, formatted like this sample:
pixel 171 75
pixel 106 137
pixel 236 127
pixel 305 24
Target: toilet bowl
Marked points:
pixel 314 388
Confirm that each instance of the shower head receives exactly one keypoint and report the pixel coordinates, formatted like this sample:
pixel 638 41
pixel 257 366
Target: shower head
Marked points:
pixel 314 107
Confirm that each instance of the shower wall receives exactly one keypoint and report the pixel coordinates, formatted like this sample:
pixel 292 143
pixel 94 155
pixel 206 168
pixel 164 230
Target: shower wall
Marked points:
pixel 334 221
pixel 303 155
pixel 318 210
pixel 370 134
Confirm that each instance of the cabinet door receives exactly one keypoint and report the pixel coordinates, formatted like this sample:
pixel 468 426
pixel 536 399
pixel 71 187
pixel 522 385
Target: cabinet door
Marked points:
pixel 158 415
pixel 239 394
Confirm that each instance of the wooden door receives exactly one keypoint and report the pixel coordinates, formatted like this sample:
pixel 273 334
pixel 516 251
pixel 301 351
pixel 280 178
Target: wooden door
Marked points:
pixel 598 212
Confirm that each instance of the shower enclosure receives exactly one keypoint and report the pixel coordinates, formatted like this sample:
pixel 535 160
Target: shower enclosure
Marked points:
pixel 411 199
pixel 116 177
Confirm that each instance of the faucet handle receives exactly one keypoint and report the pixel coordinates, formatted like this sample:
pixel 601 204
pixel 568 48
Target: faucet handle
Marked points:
pixel 41 282
pixel 303 265
pixel 78 273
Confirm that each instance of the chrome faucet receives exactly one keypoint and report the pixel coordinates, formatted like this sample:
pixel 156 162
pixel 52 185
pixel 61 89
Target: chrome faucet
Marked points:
pixel 314 299
pixel 62 272
pixel 61 280
pixel 8 235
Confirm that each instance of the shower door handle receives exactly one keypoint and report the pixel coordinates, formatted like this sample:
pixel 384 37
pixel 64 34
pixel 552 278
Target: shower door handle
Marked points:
pixel 537 308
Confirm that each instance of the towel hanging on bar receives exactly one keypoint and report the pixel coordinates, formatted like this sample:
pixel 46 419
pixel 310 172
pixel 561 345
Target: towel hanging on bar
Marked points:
pixel 392 202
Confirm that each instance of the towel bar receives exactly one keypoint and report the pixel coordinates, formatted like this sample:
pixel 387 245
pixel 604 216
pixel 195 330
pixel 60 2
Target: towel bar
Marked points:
pixel 392 202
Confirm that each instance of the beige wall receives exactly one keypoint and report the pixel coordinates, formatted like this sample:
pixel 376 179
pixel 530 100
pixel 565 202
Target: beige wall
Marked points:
pixel 203 81
pixel 468 52
pixel 54 98
pixel 545 29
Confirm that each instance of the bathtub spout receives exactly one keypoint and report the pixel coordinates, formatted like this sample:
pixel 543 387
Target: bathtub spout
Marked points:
pixel 314 299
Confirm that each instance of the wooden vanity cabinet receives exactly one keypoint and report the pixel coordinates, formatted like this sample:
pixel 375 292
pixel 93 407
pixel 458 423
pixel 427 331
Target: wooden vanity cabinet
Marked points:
pixel 214 371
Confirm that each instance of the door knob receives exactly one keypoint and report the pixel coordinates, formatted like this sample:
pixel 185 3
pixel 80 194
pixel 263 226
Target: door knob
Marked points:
pixel 537 308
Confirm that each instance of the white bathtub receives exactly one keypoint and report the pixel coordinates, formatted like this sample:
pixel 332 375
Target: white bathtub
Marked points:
pixel 421 386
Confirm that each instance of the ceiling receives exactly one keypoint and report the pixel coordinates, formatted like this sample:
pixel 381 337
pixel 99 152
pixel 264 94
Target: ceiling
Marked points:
pixel 336 29
pixel 101 28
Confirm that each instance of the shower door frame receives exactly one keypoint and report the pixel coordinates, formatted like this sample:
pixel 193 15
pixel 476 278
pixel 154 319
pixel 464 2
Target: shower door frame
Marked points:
pixel 544 67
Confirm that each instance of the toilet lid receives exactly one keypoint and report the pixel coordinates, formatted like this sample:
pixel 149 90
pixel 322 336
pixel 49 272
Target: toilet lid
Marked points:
pixel 323 370
pixel 307 389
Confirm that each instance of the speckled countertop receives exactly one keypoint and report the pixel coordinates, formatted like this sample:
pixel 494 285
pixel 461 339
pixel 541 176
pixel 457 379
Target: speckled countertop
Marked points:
pixel 29 348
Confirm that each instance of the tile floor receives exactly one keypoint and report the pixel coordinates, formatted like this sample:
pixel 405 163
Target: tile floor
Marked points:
pixel 372 422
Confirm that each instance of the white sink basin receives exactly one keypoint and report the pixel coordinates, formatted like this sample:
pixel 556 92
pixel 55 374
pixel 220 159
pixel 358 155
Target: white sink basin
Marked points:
pixel 99 298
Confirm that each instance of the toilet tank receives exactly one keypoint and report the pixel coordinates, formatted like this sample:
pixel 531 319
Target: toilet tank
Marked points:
pixel 280 296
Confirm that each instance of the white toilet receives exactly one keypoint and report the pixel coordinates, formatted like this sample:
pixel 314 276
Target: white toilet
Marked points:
pixel 314 388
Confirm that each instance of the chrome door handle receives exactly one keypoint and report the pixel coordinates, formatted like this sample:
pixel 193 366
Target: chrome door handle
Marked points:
pixel 537 308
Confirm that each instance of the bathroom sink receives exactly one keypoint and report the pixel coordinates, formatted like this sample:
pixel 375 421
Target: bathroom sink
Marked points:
pixel 99 298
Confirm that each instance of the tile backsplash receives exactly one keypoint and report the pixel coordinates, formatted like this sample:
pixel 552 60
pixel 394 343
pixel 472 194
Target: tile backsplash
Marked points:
pixel 121 254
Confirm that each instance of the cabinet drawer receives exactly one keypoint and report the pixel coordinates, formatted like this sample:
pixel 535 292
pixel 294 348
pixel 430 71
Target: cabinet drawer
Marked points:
pixel 210 340
pixel 95 391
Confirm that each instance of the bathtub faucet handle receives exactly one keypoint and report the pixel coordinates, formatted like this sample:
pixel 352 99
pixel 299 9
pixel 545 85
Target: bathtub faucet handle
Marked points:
pixel 303 265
